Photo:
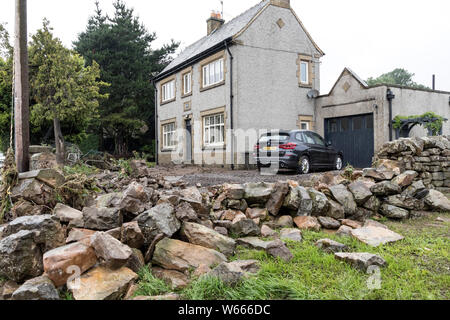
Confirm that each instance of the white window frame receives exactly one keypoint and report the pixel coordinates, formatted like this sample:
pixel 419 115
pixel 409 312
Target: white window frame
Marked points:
pixel 213 73
pixel 304 123
pixel 214 130
pixel 306 74
pixel 187 83
pixel 169 136
pixel 168 91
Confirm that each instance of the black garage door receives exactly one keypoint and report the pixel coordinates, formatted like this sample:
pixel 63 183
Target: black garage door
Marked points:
pixel 354 136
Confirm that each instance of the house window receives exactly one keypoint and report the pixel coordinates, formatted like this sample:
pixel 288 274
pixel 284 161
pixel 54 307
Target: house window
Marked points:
pixel 214 130
pixel 169 139
pixel 187 83
pixel 213 73
pixel 187 106
pixel 304 72
pixel 168 91
pixel 304 125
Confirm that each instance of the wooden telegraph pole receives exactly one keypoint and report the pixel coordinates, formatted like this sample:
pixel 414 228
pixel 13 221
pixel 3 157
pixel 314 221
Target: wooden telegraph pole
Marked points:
pixel 21 89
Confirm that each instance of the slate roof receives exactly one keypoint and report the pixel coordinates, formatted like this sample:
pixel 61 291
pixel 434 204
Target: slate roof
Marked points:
pixel 225 32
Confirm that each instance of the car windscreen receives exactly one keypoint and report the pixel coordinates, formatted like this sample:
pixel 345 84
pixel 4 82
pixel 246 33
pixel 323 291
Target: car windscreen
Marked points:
pixel 275 138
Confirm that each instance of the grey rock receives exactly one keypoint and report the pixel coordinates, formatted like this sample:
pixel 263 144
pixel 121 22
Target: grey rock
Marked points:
pixel 394 212
pixel 244 228
pixel 331 246
pixel 335 210
pixel 284 222
pixel 131 235
pixel 361 261
pixel 34 191
pixel 102 219
pixel 159 219
pixel 185 212
pixel 253 243
pixel 114 253
pixel 258 193
pixel 67 214
pixel 345 198
pixel 320 202
pixel 136 261
pixel 329 223
pixel 385 188
pixel 41 288
pixel 47 230
pixel 375 236
pixel 360 192
pixel 20 256
pixel 291 234
pixel 437 201
pixel 208 238
pixel 344 231
pixel 277 198
pixel 278 249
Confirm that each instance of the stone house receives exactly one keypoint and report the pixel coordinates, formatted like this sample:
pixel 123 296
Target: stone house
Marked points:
pixel 251 74
pixel 260 72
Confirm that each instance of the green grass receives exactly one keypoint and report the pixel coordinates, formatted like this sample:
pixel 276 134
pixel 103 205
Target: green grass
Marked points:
pixel 149 285
pixel 418 268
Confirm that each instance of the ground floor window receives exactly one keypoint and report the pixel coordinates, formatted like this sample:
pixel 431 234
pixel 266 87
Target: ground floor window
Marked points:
pixel 304 125
pixel 169 138
pixel 214 130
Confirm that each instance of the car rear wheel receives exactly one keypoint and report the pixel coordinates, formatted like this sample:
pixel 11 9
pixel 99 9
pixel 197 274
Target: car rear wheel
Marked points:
pixel 304 166
pixel 339 164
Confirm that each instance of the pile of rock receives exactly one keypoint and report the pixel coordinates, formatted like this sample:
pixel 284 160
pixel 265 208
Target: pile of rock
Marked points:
pixel 429 156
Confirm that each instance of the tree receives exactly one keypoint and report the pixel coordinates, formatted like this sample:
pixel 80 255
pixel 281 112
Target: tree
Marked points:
pixel 398 77
pixel 62 87
pixel 122 47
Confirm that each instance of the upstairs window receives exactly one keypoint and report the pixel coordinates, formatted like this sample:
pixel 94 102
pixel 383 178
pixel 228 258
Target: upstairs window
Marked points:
pixel 304 72
pixel 168 91
pixel 213 73
pixel 187 83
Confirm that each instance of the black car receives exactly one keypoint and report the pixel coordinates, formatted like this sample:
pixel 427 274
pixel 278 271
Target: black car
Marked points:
pixel 297 150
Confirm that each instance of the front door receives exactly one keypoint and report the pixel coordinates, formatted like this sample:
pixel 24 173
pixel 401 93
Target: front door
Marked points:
pixel 188 154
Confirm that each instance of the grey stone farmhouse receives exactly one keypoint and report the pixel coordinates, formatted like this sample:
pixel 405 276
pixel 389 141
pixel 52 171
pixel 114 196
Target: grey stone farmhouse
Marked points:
pixel 261 71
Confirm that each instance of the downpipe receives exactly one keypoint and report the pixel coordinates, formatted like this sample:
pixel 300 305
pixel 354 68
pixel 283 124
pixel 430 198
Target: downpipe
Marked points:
pixel 231 104
pixel 390 97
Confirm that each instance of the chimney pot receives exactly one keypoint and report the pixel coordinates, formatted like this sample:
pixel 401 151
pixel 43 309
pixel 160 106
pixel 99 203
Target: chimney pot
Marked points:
pixel 214 22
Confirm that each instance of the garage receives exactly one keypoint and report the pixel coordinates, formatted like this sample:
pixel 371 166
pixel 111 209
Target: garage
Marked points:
pixel 354 136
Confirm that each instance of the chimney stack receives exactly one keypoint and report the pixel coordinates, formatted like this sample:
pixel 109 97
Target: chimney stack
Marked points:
pixel 281 3
pixel 214 22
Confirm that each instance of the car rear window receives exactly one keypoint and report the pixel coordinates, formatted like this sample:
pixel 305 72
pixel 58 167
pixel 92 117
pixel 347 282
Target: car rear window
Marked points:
pixel 281 138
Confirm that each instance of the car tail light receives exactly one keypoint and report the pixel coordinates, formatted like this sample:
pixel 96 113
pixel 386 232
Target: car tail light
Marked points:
pixel 256 147
pixel 288 146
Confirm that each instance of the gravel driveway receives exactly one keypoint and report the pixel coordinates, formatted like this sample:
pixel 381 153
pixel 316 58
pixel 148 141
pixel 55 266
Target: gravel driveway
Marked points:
pixel 216 176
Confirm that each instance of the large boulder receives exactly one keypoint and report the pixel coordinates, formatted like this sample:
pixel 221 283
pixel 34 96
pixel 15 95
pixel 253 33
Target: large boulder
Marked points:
pixel 361 192
pixel 208 238
pixel 405 202
pixel 40 288
pixel 102 219
pixel 43 160
pixel 277 198
pixel 375 236
pixel 182 256
pixel 20 256
pixel 77 234
pixel 135 199
pixel 345 198
pixel 320 202
pixel 231 273
pixel 361 261
pixel 158 220
pixel 258 193
pixel 291 235
pixel 185 212
pixel 378 174
pixel 233 191
pixel 114 253
pixel 61 263
pixel 394 212
pixel 389 165
pixel 299 200
pixel 253 243
pixel 437 201
pixel 35 191
pixel 102 283
pixel 46 228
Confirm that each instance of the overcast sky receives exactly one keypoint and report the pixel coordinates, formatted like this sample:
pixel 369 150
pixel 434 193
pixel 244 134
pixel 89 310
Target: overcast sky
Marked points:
pixel 370 37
